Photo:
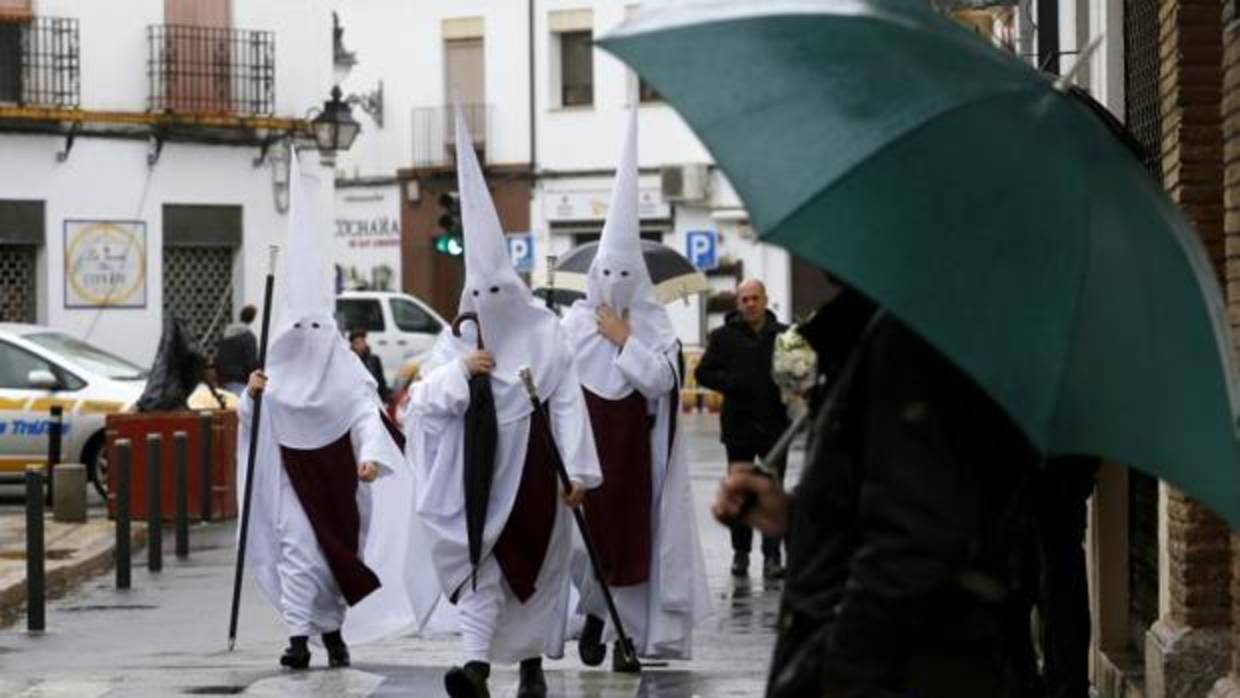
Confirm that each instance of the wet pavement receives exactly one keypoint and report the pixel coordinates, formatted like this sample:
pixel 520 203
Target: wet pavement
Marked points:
pixel 168 635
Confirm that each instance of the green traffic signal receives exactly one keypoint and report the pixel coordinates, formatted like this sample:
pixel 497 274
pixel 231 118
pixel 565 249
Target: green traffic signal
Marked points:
pixel 449 244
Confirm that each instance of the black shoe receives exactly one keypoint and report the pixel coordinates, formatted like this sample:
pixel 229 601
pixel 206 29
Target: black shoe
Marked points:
pixel 337 651
pixel 533 683
pixel 740 564
pixel 624 659
pixel 771 569
pixel 297 655
pixel 590 646
pixel 469 681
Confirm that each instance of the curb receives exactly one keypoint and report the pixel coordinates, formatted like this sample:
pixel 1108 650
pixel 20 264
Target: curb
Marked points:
pixel 88 561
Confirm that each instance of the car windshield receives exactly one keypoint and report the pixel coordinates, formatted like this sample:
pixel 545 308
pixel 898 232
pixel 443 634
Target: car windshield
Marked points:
pixel 88 357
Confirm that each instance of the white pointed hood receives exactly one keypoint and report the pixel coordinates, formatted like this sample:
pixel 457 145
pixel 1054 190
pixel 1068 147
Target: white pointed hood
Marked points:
pixel 318 388
pixel 618 278
pixel 516 328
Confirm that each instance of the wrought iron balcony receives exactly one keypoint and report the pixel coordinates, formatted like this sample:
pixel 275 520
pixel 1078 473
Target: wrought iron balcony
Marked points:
pixel 211 70
pixel 40 64
pixel 434 135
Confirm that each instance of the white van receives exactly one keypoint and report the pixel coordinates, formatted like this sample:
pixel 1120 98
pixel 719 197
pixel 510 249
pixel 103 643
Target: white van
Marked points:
pixel 398 326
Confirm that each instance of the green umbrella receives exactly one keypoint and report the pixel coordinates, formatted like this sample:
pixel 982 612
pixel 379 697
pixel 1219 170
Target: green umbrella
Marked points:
pixel 996 215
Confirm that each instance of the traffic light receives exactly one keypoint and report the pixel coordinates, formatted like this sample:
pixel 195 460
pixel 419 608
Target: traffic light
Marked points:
pixel 450 245
pixel 450 240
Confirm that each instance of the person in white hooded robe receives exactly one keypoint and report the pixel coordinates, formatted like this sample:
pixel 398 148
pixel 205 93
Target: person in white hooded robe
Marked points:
pixel 512 600
pixel 641 518
pixel 329 553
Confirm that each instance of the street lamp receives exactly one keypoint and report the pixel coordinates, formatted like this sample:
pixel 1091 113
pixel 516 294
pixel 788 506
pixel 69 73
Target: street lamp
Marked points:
pixel 334 127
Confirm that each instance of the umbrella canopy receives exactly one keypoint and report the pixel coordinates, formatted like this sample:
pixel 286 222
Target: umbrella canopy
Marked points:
pixel 672 275
pixel 995 214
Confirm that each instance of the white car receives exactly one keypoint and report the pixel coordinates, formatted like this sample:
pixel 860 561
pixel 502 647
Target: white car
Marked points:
pixel 41 367
pixel 399 327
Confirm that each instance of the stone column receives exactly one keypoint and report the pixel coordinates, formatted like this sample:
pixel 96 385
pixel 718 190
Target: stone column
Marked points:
pixel 1189 648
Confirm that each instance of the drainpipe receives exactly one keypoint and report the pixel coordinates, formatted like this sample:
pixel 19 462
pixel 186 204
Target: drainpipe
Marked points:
pixel 533 124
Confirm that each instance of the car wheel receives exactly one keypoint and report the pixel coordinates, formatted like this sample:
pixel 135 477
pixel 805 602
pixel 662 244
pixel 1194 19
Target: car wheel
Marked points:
pixel 96 458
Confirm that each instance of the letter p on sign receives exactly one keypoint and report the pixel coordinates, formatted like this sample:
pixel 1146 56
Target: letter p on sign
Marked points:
pixel 702 249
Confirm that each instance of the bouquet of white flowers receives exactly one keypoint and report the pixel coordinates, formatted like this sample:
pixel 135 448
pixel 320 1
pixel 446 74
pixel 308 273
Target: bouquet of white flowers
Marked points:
pixel 794 368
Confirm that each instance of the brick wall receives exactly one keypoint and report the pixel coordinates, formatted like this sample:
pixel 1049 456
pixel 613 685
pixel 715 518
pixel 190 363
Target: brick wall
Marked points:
pixel 1190 87
pixel 1230 114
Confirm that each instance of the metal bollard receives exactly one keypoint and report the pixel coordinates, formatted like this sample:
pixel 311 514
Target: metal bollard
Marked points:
pixel 154 514
pixel 180 476
pixel 123 450
pixel 55 434
pixel 36 584
pixel 69 482
pixel 204 466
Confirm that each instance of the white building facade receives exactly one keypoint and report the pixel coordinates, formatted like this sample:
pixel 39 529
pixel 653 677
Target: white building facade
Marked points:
pixel 145 165
pixel 548 111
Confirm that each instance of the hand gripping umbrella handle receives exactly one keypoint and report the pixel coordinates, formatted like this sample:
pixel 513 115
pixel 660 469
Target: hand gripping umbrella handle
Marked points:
pixel 527 379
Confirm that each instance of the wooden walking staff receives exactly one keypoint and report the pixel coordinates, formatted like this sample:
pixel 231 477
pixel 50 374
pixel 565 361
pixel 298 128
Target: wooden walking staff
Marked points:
pixel 631 661
pixel 253 452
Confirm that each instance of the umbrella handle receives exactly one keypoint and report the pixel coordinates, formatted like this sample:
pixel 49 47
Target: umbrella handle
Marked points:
pixel 456 327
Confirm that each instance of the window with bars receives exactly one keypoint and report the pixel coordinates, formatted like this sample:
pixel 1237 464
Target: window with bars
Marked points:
pixel 211 70
pixel 39 61
pixel 198 291
pixel 18 300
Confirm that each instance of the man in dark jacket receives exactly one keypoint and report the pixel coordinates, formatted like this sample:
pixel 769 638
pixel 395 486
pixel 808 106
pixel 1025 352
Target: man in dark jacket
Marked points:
pixel 357 342
pixel 236 355
pixel 737 363
pixel 906 529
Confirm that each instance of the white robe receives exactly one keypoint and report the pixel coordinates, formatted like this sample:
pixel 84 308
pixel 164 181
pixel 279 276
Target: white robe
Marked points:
pixel 495 624
pixel 660 614
pixel 284 555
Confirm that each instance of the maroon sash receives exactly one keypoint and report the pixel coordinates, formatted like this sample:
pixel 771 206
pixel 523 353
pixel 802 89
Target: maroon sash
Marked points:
pixel 325 480
pixel 522 546
pixel 618 512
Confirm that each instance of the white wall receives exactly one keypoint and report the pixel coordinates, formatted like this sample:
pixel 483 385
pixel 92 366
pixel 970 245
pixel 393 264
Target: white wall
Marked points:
pixel 109 178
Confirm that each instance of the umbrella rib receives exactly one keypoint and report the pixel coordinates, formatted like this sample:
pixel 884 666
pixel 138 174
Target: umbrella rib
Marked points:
pixel 923 125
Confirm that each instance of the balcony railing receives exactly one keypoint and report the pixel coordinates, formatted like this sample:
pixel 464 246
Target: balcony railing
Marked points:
pixel 40 62
pixel 434 135
pixel 211 70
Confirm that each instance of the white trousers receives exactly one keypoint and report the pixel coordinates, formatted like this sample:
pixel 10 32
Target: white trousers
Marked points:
pixel 310 600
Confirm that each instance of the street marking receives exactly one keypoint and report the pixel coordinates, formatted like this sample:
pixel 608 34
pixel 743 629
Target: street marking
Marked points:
pixel 68 688
pixel 337 682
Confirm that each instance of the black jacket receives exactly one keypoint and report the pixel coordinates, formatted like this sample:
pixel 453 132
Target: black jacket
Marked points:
pixel 236 355
pixel 737 363
pixel 375 366
pixel 902 535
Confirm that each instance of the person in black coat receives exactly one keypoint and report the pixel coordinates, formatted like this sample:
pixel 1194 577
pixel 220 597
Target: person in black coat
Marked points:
pixel 357 342
pixel 906 532
pixel 236 355
pixel 737 363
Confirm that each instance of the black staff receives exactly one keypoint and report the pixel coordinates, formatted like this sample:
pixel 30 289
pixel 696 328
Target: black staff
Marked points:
pixel 631 662
pixel 249 466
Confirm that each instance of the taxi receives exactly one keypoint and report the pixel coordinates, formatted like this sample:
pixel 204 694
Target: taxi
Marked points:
pixel 41 367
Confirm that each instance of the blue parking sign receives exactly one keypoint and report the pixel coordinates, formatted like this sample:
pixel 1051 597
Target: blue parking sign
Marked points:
pixel 521 250
pixel 702 249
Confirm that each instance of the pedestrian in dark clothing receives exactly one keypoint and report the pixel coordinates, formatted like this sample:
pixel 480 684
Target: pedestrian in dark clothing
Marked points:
pixel 357 341
pixel 1059 509
pixel 904 534
pixel 236 354
pixel 737 363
